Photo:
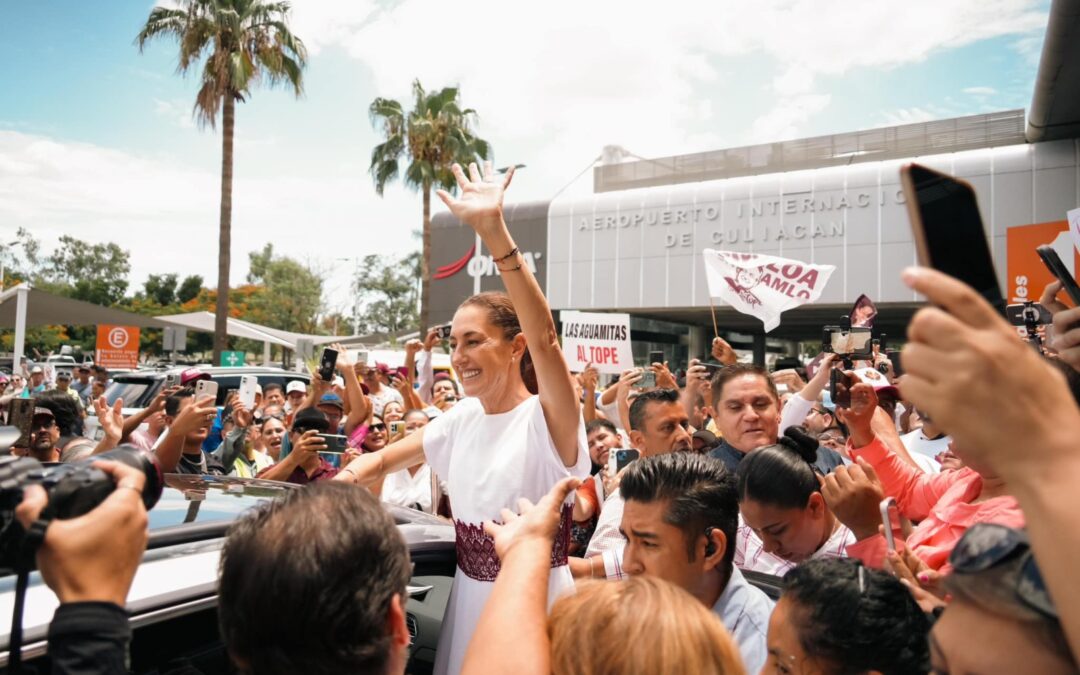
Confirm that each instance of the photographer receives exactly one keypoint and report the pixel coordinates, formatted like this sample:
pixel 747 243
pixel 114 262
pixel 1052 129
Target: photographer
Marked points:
pixel 90 562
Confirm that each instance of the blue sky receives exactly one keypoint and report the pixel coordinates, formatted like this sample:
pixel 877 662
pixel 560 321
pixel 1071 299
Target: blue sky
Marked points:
pixel 97 140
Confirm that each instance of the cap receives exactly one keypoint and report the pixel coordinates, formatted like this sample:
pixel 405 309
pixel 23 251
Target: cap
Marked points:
pixel 296 385
pixel 82 367
pixel 382 368
pixel 36 370
pixel 63 374
pixel 189 375
pixel 38 410
pixel 332 399
pixel 310 418
pixel 874 378
pixel 258 389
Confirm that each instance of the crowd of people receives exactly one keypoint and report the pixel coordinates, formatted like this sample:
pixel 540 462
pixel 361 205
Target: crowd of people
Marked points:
pixel 924 523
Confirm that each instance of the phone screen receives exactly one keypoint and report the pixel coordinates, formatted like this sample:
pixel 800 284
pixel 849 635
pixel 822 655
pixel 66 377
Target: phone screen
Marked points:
pixel 327 364
pixel 656 357
pixel 840 384
pixel 952 234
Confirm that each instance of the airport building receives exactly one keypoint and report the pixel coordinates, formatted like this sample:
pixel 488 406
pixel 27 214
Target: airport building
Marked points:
pixel 635 244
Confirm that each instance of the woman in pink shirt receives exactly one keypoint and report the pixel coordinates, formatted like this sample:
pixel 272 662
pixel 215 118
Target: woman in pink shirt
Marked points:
pixel 944 505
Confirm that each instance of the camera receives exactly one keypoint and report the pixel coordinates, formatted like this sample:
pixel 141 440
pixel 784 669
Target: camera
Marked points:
pixel 847 342
pixel 74 489
pixel 1030 315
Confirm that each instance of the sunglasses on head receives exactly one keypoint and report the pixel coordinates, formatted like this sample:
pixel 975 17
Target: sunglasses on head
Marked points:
pixel 988 545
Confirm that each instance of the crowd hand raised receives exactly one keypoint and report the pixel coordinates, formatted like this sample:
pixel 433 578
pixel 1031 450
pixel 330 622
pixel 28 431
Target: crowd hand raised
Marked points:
pixel 722 352
pixel 664 378
pixel 697 375
pixel 93 558
pixel 110 418
pixel 430 340
pixel 537 523
pixel 319 385
pixel 479 204
pixel 960 358
pixel 1066 333
pixel 789 377
pixel 414 346
pixel 198 415
pixel 589 378
pixel 610 479
pixel 310 444
pixel 860 415
pixel 344 363
pixel 242 416
pixel 854 494
pixel 400 383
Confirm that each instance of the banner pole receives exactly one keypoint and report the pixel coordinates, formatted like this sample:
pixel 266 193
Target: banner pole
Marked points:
pixel 712 309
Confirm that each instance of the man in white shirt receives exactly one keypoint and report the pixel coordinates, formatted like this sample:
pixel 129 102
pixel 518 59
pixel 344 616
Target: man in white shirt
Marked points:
pixel 679 522
pixel 926 444
pixel 658 425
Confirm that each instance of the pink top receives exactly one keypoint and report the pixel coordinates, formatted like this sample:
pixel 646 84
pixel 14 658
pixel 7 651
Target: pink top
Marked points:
pixel 941 504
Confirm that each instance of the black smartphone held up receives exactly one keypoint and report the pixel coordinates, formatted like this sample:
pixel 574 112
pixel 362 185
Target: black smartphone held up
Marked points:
pixel 656 357
pixel 1053 263
pixel 840 384
pixel 443 331
pixel 623 457
pixel 894 356
pixel 327 364
pixel 335 443
pixel 948 230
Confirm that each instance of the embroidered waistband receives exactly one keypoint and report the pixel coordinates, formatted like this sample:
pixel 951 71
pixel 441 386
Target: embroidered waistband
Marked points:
pixel 476 550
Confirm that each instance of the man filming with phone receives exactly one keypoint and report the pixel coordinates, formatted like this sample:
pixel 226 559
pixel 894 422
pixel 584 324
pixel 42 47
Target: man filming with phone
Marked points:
pixel 188 423
pixel 304 464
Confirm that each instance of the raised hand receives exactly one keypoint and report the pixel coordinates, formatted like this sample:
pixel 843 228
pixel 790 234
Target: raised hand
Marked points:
pixel 588 378
pixel 479 204
pixel 859 417
pixel 664 378
pixel 539 522
pixel 413 346
pixel 110 418
pixel 722 351
pixel 344 362
pixel 854 493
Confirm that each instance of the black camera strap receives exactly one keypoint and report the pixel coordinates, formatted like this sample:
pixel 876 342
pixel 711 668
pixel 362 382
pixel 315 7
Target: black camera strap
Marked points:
pixel 35 536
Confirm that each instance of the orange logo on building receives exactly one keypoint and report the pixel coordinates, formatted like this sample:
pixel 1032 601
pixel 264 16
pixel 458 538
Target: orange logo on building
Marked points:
pixel 117 346
pixel 1027 275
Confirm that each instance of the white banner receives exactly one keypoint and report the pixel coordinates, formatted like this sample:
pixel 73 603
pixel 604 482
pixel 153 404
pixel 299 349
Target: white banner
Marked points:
pixel 763 285
pixel 600 339
pixel 1074 229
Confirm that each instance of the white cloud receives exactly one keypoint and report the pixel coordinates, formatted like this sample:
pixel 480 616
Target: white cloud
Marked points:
pixel 980 91
pixel 783 123
pixel 167 214
pixel 909 116
pixel 176 111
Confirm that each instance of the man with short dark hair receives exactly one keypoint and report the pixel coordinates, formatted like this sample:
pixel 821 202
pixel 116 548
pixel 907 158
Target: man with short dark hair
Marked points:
pixel 273 394
pixel 82 383
pixel 188 424
pixel 310 628
pixel 680 522
pixel 44 436
pixel 748 416
pixel 658 425
pixel 303 464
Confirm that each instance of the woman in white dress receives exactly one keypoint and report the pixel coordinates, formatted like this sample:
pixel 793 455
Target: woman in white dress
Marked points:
pixel 502 442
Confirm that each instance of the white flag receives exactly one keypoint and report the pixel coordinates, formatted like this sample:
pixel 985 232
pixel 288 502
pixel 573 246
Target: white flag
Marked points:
pixel 763 285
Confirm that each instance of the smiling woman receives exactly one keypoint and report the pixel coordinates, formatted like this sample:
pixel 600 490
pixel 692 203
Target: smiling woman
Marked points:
pixel 504 441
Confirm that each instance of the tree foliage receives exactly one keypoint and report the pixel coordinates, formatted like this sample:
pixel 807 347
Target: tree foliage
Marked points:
pixel 292 292
pixel 386 290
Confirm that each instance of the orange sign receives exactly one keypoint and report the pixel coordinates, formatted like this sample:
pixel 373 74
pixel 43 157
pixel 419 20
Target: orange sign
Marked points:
pixel 1027 275
pixel 117 346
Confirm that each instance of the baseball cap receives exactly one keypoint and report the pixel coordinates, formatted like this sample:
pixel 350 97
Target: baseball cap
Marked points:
pixel 36 370
pixel 38 410
pixel 258 389
pixel 310 418
pixel 296 385
pixel 83 367
pixel 332 399
pixel 382 368
pixel 874 378
pixel 63 375
pixel 190 375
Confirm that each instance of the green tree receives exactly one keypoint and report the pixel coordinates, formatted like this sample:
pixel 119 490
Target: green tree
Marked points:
pixel 387 290
pixel 244 41
pixel 432 136
pixel 189 288
pixel 291 296
pixel 95 273
pixel 161 288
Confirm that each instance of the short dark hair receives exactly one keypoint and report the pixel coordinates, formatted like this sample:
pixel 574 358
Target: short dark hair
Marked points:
pixel 307 581
pixel 600 423
pixel 637 408
pixel 780 475
pixel 270 386
pixel 172 403
pixel 725 375
pixel 700 493
pixel 859 618
pixel 64 409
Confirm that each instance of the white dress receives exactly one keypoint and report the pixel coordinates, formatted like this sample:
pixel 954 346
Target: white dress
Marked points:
pixel 489 462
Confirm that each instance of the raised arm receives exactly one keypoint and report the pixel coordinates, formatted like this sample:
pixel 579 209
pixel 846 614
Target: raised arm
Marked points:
pixel 359 405
pixel 425 367
pixel 481 207
pixel 369 469
pixel 588 379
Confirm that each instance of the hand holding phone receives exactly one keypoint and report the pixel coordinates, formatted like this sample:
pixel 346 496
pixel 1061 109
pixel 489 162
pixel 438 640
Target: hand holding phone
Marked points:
pixel 1053 263
pixel 648 379
pixel 619 458
pixel 206 389
pixel 886 505
pixel 327 363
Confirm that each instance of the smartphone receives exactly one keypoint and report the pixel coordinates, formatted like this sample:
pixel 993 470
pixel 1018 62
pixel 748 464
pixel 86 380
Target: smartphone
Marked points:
pixel 402 372
pixel 248 384
pixel 648 379
pixel 624 457
pixel 852 342
pixel 362 356
pixel 334 459
pixel 206 389
pixel 1053 263
pixel 1018 315
pixel 443 331
pixel 335 443
pixel 894 356
pixel 172 380
pixel 886 520
pixel 397 427
pixel 712 367
pixel 840 384
pixel 327 363
pixel 656 357
pixel 948 230
pixel 21 416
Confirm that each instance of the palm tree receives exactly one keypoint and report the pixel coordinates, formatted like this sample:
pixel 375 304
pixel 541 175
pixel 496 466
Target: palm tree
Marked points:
pixel 436 133
pixel 244 41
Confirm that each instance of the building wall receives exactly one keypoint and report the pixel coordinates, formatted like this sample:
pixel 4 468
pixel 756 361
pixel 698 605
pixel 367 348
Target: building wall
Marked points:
pixel 641 249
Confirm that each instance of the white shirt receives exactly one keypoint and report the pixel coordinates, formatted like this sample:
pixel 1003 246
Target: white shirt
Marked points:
pixel 919 446
pixel 607 541
pixel 403 489
pixel 750 553
pixel 745 611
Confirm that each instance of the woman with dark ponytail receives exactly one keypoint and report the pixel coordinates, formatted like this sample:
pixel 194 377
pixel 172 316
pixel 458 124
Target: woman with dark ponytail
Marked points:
pixel 784 520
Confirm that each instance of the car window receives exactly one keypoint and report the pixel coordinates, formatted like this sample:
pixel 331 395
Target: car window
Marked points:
pixel 132 391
